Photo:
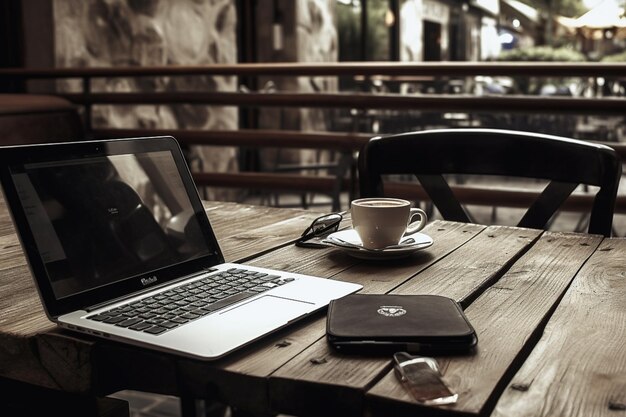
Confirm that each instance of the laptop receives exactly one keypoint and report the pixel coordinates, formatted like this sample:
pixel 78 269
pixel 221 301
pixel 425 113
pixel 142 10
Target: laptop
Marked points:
pixel 120 247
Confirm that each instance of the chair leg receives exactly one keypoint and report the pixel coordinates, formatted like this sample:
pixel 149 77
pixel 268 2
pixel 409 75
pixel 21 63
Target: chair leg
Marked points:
pixel 240 413
pixel 583 223
pixel 429 209
pixel 192 407
pixel 188 407
pixel 494 214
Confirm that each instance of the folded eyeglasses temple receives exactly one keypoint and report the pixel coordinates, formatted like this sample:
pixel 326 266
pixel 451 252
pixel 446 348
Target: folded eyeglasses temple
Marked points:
pixel 310 232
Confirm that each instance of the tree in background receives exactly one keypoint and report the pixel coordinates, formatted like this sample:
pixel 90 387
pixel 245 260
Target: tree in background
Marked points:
pixel 549 9
pixel 350 31
pixel 530 85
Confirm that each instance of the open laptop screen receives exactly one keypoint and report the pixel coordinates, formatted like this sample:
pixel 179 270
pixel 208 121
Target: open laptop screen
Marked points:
pixel 102 219
pixel 99 219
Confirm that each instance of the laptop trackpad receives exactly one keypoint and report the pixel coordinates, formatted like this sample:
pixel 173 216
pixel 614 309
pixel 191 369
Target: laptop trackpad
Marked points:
pixel 267 310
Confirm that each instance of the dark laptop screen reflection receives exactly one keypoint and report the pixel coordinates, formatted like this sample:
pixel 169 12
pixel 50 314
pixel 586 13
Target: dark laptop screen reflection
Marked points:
pixel 141 217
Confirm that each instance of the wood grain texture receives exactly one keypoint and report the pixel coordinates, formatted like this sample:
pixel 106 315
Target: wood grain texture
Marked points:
pixel 466 272
pixel 511 281
pixel 67 360
pixel 323 382
pixel 32 348
pixel 249 368
pixel 245 230
pixel 578 368
pixel 21 312
pixel 229 219
pixel 258 240
pixel 508 318
pixel 19 361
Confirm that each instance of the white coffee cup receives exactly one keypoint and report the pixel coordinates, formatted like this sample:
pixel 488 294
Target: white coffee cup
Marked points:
pixel 381 222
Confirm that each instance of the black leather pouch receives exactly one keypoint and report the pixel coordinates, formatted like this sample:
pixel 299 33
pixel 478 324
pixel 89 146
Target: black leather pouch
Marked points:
pixel 423 324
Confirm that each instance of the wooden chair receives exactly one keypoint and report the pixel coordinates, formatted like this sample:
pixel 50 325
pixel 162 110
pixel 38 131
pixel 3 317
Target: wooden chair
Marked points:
pixel 565 162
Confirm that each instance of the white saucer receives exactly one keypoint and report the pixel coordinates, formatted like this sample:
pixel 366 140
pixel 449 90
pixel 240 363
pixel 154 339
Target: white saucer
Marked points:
pixel 354 246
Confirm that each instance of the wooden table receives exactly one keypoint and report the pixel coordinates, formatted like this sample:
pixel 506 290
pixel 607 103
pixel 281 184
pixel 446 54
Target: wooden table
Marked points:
pixel 549 310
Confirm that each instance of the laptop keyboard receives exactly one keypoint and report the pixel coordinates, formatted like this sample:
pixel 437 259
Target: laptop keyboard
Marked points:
pixel 167 310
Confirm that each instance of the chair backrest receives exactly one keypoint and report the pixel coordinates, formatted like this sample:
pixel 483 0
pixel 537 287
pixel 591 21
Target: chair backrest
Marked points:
pixel 565 162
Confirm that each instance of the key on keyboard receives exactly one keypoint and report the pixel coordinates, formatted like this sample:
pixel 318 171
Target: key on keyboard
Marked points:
pixel 161 312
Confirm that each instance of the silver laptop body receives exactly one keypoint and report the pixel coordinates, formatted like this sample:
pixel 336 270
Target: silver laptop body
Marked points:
pixel 120 247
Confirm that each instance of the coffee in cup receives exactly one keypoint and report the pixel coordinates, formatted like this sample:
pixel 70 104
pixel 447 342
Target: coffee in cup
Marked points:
pixel 381 222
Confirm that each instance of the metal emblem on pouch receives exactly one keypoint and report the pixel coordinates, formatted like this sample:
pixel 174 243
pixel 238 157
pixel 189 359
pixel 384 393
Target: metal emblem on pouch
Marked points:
pixel 391 311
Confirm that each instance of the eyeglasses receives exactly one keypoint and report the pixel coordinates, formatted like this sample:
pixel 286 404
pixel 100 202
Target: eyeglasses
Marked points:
pixel 322 226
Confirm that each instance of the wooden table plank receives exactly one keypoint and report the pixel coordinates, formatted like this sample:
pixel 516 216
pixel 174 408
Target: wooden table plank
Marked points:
pixel 325 380
pixel 318 364
pixel 28 337
pixel 508 317
pixel 578 368
pixel 6 224
pixel 249 369
pixel 276 227
pixel 468 271
pixel 510 280
pixel 265 238
pixel 229 219
pixel 22 313
pixel 243 229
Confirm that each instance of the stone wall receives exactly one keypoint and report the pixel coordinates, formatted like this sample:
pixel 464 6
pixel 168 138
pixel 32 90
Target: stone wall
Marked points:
pixel 102 33
pixel 317 42
pixel 95 33
pixel 307 29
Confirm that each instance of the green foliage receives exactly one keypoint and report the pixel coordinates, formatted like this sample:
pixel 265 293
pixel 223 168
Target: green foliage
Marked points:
pixel 549 9
pixel 542 54
pixel 529 85
pixel 349 28
pixel 621 57
pixel 569 8
pixel 377 37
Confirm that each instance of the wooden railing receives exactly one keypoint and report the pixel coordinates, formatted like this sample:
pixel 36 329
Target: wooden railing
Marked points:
pixel 346 144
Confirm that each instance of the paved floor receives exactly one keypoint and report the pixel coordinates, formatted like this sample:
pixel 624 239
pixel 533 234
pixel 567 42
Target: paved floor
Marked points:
pixel 150 405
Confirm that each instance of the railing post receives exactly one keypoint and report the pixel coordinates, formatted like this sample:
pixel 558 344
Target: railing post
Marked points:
pixel 88 106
